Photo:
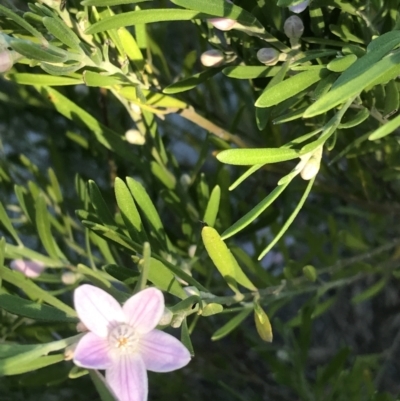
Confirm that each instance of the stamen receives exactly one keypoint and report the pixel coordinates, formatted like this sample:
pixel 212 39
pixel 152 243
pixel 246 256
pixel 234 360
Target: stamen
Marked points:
pixel 123 339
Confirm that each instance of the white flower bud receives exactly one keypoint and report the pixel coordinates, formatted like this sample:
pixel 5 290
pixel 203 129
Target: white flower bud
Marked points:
pixel 298 8
pixel 312 165
pixel 135 137
pixel 69 278
pixel 293 27
pixel 185 180
pixel 268 56
pixel 223 24
pixel 192 250
pixel 6 61
pixel 212 58
pixel 69 352
pixel 135 108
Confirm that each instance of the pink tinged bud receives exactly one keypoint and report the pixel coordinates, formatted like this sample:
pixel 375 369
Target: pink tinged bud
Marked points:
pixel 6 61
pixel 27 267
pixel 268 56
pixel 293 27
pixel 223 24
pixel 212 58
pixel 298 8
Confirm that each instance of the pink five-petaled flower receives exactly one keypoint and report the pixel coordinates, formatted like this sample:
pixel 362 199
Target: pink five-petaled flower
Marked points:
pixel 29 268
pixel 123 340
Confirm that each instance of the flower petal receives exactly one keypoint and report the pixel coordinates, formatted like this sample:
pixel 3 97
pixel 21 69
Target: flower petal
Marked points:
pixel 144 309
pixel 162 352
pixel 30 268
pixel 98 310
pixel 92 352
pixel 127 377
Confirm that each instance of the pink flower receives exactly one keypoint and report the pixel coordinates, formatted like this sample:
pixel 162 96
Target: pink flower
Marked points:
pixel 30 268
pixel 223 24
pixel 124 341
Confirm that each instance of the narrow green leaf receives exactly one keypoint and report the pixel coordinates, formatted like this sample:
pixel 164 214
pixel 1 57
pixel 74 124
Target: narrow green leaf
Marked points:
pixel 128 210
pixel 62 32
pixel 109 3
pixel 36 364
pixel 121 273
pixel 250 72
pixel 361 116
pixel 6 222
pixel 2 252
pixel 163 279
pixel 55 185
pixel 289 220
pixel 211 309
pixel 367 71
pixel 33 310
pixel 144 267
pixel 369 292
pixel 44 229
pixel 211 212
pixel 245 175
pixel 34 51
pixel 101 386
pixel 15 252
pixel 100 206
pixel 342 63
pixel 254 213
pixel 24 78
pixel 61 69
pixel 143 17
pixel 33 291
pixel 100 80
pixel 385 129
pixel 108 138
pixel 289 87
pixel 224 260
pixel 185 337
pixel 191 82
pixel 248 157
pixel 231 325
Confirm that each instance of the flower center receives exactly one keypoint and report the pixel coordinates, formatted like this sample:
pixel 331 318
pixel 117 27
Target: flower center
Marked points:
pixel 123 339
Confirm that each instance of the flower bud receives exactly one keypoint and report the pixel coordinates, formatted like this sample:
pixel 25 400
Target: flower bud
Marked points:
pixel 6 61
pixel 69 278
pixel 135 137
pixel 212 58
pixel 223 24
pixel 293 27
pixel 298 8
pixel 268 56
pixel 166 318
pixel 312 166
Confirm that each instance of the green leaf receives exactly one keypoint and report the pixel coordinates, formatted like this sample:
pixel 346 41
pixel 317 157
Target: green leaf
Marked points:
pixel 247 157
pixel 289 220
pixel 224 260
pixel 44 229
pixel 33 291
pixel 289 87
pixel 231 325
pixel 191 82
pixel 14 357
pixel 21 22
pixel 263 325
pixel 100 206
pixel 34 51
pixel 369 292
pixel 32 310
pixel 185 337
pixel 128 209
pixel 101 386
pixel 144 267
pixel 121 273
pixel 367 71
pixel 109 3
pixel 163 279
pixel 61 70
pixel 108 138
pixel 250 72
pixel 24 78
pixel 361 116
pixel 143 17
pixel 342 63
pixel 6 222
pixel 15 252
pixel 385 129
pixel 61 31
pixel 254 213
pixel 211 212
pixel 245 175
pixel 100 80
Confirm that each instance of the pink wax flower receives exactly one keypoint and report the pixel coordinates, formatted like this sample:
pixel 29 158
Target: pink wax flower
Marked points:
pixel 124 341
pixel 30 268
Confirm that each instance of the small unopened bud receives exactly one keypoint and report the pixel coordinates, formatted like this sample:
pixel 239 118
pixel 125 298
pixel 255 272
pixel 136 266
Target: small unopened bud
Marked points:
pixel 312 166
pixel 192 250
pixel 177 320
pixel 81 328
pixel 268 56
pixel 135 137
pixel 185 180
pixel 294 28
pixel 223 24
pixel 69 278
pixel 310 272
pixel 6 61
pixel 212 58
pixel 298 8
